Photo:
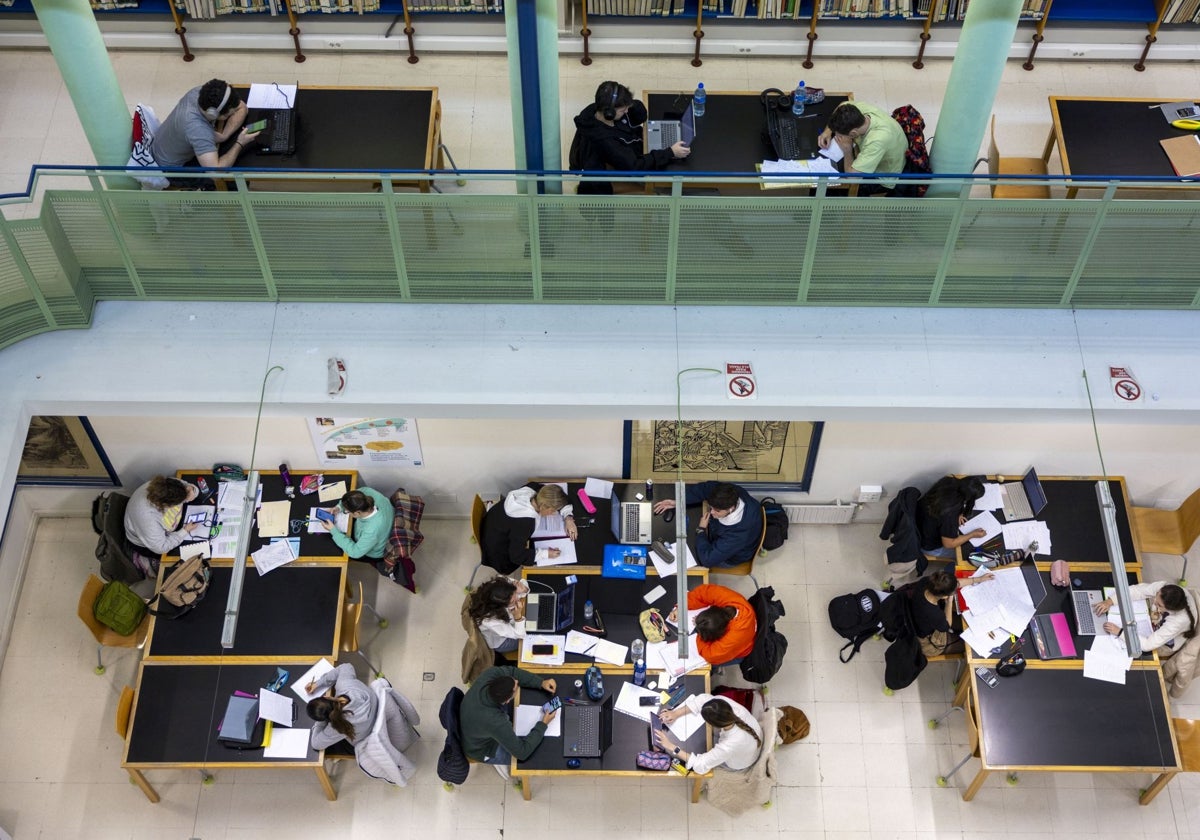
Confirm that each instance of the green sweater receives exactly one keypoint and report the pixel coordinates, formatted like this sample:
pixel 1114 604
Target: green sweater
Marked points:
pixel 483 724
pixel 370 534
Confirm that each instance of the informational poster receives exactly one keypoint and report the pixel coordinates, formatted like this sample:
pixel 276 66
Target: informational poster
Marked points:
pixel 358 442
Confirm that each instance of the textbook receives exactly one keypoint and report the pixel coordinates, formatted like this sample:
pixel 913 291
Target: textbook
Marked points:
pixel 1184 153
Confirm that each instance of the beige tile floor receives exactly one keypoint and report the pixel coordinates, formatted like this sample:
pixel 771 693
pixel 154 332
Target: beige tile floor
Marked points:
pixel 866 771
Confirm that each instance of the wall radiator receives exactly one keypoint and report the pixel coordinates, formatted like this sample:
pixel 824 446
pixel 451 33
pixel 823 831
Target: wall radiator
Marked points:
pixel 821 514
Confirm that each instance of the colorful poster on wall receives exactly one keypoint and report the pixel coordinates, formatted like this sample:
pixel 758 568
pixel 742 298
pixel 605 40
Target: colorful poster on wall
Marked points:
pixel 358 442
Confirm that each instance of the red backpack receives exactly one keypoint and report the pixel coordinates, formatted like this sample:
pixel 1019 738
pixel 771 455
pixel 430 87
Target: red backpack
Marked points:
pixel 916 158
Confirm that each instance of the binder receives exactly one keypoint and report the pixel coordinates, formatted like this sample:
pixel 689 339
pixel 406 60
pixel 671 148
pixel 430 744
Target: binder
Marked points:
pixel 1184 154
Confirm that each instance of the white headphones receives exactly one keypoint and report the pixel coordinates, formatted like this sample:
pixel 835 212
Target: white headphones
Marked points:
pixel 211 114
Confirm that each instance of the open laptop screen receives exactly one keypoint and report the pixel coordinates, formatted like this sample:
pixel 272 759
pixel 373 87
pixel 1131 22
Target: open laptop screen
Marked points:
pixel 687 126
pixel 1033 491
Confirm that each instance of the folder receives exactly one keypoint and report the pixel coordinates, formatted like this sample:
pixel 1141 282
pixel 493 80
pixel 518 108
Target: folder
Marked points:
pixel 1184 154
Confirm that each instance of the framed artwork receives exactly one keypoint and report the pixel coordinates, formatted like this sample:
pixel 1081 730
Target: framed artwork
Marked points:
pixel 768 455
pixel 64 450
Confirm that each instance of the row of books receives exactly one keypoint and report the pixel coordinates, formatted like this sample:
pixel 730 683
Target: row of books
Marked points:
pixel 794 9
pixel 636 8
pixel 1182 11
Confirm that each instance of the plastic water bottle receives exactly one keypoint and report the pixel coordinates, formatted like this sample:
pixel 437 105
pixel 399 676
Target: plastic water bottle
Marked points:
pixel 799 97
pixel 637 649
pixel 698 99
pixel 639 672
pixel 588 610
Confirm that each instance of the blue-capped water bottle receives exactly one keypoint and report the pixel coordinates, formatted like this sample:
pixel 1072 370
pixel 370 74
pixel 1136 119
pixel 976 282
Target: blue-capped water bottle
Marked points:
pixel 639 672
pixel 588 610
pixel 799 97
pixel 698 99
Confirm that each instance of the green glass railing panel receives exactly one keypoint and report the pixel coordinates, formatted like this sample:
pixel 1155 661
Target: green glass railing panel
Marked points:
pixel 90 241
pixel 69 302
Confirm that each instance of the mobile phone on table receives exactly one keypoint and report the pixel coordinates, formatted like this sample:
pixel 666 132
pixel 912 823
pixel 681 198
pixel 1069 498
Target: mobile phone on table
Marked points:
pixel 554 705
pixel 647 701
pixel 543 650
pixel 988 675
pixel 256 126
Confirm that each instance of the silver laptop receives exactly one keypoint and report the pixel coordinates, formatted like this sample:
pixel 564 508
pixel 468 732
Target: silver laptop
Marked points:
pixel 1084 602
pixel 550 612
pixel 663 134
pixel 636 521
pixel 1023 500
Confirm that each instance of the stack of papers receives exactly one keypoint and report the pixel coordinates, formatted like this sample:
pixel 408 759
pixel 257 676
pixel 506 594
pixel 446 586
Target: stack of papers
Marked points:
pixel 668 654
pixel 628 701
pixel 1106 659
pixel 600 649
pixel 273 555
pixel 273 518
pixel 1021 535
pixel 666 569
pixel 992 498
pixel 558 657
pixel 996 608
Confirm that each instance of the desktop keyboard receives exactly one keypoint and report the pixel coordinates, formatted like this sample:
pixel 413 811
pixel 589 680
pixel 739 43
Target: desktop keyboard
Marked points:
pixel 781 128
pixel 1083 614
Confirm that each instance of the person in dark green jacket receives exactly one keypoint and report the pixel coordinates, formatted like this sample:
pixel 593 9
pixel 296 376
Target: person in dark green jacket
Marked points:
pixel 373 515
pixel 485 724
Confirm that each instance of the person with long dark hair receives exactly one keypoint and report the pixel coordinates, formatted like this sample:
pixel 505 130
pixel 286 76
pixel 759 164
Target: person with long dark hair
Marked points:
pixel 726 625
pixel 737 735
pixel 347 715
pixel 498 610
pixel 947 504
pixel 1172 616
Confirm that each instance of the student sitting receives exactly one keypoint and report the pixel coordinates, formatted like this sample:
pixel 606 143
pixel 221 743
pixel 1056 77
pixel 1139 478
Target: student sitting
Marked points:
pixel 348 715
pixel 737 735
pixel 155 512
pixel 871 141
pixel 485 725
pixel 947 504
pixel 1172 616
pixel 372 514
pixel 726 627
pixel 730 527
pixel 932 610
pixel 498 610
pixel 508 527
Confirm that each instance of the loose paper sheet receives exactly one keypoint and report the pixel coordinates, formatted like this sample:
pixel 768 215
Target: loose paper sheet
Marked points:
pixel 273 518
pixel 272 556
pixel 557 658
pixel 340 518
pixel 323 667
pixel 610 652
pixel 685 726
pixel 1021 535
pixel 992 498
pixel 1106 660
pixel 287 743
pixel 526 717
pixel 271 96
pixel 580 643
pixel 989 523
pixel 329 493
pixel 278 708
pixel 565 557
pixel 598 488
pixel 666 569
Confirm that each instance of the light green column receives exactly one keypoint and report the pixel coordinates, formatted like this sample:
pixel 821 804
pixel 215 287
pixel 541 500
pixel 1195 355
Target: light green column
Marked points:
pixel 74 37
pixel 983 47
pixel 547 60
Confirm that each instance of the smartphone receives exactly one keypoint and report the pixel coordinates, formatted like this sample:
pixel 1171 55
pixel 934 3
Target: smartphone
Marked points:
pixel 325 516
pixel 647 701
pixel 256 126
pixel 554 705
pixel 543 650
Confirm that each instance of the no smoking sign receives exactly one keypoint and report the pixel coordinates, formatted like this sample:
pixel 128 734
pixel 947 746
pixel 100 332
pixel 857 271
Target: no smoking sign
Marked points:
pixel 1125 387
pixel 740 383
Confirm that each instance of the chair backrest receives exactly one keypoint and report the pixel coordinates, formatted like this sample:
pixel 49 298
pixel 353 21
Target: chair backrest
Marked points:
pixel 1187 735
pixel 1189 519
pixel 124 706
pixel 762 536
pixel 478 509
pixel 351 613
pixel 87 600
pixel 993 157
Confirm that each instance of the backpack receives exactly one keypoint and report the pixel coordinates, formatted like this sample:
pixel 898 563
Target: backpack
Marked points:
pixel 770 646
pixel 903 660
pixel 113 550
pixel 119 607
pixel 185 585
pixel 452 764
pixel 916 157
pixel 777 524
pixel 855 617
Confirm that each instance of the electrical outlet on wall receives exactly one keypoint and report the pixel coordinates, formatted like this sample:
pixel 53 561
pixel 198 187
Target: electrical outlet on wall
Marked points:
pixel 870 493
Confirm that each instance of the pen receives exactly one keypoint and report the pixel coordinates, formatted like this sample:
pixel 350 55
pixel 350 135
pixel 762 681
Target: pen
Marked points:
pixel 589 650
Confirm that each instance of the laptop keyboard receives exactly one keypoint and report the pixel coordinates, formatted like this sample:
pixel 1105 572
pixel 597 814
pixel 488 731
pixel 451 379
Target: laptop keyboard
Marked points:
pixel 281 139
pixel 784 137
pixel 1018 502
pixel 589 729
pixel 670 134
pixel 1083 614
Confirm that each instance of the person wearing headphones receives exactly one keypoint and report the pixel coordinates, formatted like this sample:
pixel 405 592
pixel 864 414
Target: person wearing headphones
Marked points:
pixel 196 129
pixel 608 135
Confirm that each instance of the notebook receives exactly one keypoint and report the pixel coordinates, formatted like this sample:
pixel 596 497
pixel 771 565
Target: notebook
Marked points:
pixel 663 134
pixel 587 730
pixel 1184 154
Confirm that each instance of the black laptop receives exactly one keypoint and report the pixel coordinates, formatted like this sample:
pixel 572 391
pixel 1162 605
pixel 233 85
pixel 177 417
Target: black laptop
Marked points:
pixel 587 730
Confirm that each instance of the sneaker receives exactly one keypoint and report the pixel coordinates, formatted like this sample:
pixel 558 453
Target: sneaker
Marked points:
pixel 502 769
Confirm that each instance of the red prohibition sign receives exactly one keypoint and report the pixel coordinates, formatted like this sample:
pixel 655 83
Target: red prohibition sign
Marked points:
pixel 741 386
pixel 1127 389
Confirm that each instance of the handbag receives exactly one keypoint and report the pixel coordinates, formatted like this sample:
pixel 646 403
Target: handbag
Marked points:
pixel 793 725
pixel 653 760
pixel 1011 664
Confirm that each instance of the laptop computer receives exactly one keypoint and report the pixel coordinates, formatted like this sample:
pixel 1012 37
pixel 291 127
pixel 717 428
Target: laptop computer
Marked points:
pixel 1083 603
pixel 656 725
pixel 632 521
pixel 663 134
pixel 1023 500
pixel 279 137
pixel 587 730
pixel 549 612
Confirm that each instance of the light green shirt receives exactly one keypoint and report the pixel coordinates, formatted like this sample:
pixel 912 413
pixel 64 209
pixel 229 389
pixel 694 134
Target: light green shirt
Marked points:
pixel 370 534
pixel 882 148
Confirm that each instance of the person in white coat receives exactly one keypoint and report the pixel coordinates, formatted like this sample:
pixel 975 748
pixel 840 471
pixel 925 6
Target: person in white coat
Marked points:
pixel 737 734
pixel 1172 616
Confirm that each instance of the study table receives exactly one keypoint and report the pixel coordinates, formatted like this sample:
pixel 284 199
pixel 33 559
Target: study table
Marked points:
pixel 178 707
pixel 629 736
pixel 1111 136
pixel 732 134
pixel 354 128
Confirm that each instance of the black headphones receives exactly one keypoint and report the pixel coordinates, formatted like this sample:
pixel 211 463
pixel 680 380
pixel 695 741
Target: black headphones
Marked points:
pixel 610 113
pixel 775 98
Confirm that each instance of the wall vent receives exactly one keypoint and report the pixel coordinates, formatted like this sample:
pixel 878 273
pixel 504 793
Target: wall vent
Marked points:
pixel 820 514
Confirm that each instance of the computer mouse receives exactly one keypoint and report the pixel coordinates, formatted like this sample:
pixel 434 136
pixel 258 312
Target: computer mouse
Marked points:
pixel 669 515
pixel 1187 124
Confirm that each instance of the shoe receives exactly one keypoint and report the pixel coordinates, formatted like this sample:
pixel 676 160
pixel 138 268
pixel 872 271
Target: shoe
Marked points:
pixel 502 770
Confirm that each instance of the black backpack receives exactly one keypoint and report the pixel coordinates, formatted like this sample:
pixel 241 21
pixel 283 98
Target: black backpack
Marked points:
pixel 452 764
pixel 114 552
pixel 777 524
pixel 770 646
pixel 855 617
pixel 903 659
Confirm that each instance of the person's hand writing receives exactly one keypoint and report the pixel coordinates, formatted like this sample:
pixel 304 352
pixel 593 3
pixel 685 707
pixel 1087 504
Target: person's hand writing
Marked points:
pixel 191 526
pixel 311 687
pixel 664 505
pixel 978 532
pixel 1102 607
pixel 1111 629
pixel 554 552
pixel 549 686
pixel 549 716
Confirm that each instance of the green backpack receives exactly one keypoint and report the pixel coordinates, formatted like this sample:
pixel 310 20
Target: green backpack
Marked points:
pixel 119 607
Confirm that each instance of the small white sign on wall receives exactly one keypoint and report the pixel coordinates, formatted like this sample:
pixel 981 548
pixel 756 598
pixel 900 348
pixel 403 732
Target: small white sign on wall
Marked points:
pixel 1125 388
pixel 740 383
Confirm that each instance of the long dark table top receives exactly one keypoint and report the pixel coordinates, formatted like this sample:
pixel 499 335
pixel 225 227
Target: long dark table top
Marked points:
pixel 1049 718
pixel 596 531
pixel 290 611
pixel 178 708
pixel 731 136
pixel 355 128
pixel 1113 136
pixel 311 545
pixel 630 735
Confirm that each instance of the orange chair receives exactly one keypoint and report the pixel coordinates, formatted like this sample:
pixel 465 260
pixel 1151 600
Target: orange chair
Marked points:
pixel 106 636
pixel 746 569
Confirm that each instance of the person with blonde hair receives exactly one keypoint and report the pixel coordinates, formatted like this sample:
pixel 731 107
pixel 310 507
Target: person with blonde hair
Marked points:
pixel 506 534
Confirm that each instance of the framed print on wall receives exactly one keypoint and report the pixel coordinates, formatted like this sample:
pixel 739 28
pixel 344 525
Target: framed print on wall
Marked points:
pixel 66 451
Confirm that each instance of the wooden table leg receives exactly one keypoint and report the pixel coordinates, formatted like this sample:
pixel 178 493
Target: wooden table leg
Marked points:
pixel 140 781
pixel 976 784
pixel 1048 149
pixel 697 786
pixel 526 787
pixel 326 783
pixel 1158 784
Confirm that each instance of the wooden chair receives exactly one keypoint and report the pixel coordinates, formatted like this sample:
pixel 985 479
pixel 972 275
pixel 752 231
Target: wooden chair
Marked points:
pixel 124 707
pixel 105 636
pixel 999 166
pixel 478 509
pixel 1168 531
pixel 746 569
pixel 349 640
pixel 1187 735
